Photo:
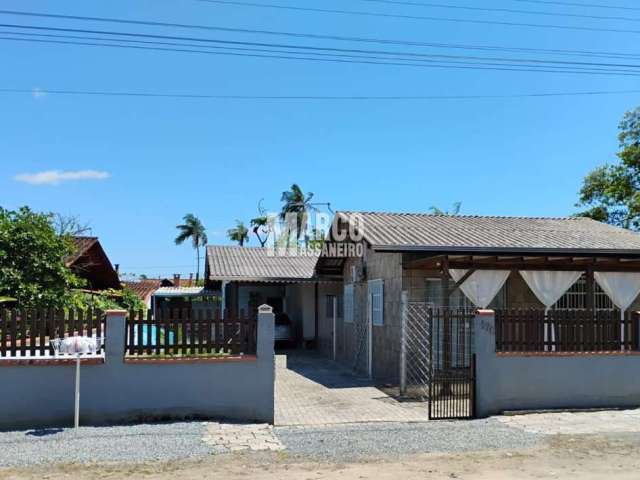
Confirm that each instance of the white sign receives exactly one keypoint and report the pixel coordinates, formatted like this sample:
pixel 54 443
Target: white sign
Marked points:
pixel 76 345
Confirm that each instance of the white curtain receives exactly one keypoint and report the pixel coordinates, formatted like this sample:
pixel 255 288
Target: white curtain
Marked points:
pixel 481 286
pixel 621 287
pixel 549 286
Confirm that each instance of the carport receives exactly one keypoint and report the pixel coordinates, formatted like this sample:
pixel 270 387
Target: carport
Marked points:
pixel 285 279
pixel 313 390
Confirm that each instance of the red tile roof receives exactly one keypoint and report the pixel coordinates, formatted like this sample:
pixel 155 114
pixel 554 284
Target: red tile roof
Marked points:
pixel 143 288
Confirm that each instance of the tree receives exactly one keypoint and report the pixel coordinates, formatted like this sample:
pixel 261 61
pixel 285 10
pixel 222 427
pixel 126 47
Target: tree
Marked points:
pixel 239 233
pixel 295 210
pixel 316 239
pixel 262 225
pixel 611 192
pixel 70 225
pixel 454 211
pixel 32 266
pixel 193 229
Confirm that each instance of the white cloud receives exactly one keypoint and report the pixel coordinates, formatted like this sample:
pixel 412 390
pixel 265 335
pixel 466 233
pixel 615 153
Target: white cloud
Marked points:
pixel 38 93
pixel 56 177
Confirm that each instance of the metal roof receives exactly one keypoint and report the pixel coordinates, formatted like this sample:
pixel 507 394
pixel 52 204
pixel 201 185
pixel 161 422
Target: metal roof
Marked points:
pixel 184 292
pixel 411 231
pixel 82 245
pixel 255 264
pixel 143 288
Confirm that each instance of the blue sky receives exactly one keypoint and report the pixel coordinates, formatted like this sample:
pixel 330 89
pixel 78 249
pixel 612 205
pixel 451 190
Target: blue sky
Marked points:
pixel 218 158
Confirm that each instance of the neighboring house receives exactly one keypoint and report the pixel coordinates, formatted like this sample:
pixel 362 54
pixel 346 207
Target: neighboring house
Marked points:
pixel 286 280
pixel 415 252
pixel 179 298
pixel 90 262
pixel 145 289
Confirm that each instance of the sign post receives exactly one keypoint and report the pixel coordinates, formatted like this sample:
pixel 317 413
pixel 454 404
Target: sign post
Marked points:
pixel 76 346
pixel 76 417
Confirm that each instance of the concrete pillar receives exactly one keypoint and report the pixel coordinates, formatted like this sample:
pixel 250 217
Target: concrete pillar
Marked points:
pixel 266 331
pixel 267 361
pixel 115 336
pixel 485 348
pixel 404 302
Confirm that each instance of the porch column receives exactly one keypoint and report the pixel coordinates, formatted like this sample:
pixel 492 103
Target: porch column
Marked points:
pixel 446 337
pixel 590 284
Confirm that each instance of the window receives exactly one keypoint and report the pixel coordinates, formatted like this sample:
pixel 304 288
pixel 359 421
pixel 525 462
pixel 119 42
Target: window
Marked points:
pixel 328 306
pixel 457 298
pixel 376 295
pixel 348 303
pixel 576 297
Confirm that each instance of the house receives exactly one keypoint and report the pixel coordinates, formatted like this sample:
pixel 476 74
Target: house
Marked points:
pixel 90 262
pixel 500 262
pixel 348 299
pixel 178 298
pixel 145 289
pixel 287 280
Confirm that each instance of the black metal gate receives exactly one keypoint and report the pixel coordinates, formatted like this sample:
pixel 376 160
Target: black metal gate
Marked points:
pixel 452 364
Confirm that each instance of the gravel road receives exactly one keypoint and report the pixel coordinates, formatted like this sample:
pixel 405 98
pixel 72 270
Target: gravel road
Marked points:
pixel 388 440
pixel 175 441
pixel 132 443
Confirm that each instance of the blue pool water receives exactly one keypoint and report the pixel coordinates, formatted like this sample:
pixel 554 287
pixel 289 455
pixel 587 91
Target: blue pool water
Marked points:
pixel 154 336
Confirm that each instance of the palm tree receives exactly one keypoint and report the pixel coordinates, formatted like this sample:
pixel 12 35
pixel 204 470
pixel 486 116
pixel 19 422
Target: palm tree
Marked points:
pixel 194 229
pixel 454 211
pixel 239 233
pixel 297 206
pixel 261 224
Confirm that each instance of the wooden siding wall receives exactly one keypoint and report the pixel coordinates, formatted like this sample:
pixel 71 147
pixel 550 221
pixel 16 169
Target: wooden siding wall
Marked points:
pixel 386 337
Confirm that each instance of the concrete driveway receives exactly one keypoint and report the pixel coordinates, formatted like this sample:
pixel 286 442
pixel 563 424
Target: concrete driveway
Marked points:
pixel 312 390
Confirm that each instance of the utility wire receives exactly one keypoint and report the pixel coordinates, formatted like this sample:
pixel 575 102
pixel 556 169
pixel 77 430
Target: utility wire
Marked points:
pixel 313 49
pixel 321 37
pixel 416 17
pixel 499 10
pixel 365 60
pixel 575 4
pixel 98 93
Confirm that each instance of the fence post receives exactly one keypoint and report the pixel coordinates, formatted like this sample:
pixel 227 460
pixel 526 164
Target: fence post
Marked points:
pixel 485 350
pixel 266 331
pixel 404 301
pixel 115 335
pixel 635 324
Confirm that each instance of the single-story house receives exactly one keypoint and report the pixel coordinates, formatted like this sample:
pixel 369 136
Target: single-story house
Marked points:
pixel 176 299
pixel 145 289
pixel 512 262
pixel 90 262
pixel 287 280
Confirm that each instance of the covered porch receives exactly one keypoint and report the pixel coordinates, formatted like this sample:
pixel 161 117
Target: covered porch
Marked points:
pixel 576 301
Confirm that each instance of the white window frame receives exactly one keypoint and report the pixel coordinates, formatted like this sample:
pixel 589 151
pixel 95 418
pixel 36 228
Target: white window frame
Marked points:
pixel 376 289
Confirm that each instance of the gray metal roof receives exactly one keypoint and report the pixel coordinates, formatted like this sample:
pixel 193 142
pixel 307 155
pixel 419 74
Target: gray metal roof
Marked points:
pixel 408 231
pixel 183 292
pixel 255 264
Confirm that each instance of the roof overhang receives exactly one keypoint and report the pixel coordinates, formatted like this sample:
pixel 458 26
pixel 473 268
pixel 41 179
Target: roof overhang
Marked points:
pixel 273 280
pixel 168 292
pixel 506 251
pixel 528 261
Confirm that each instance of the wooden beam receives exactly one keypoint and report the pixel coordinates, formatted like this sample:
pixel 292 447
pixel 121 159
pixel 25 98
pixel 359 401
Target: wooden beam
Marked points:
pixel 425 263
pixel 444 281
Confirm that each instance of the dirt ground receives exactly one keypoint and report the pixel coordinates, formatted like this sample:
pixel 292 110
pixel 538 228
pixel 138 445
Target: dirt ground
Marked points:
pixel 565 457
